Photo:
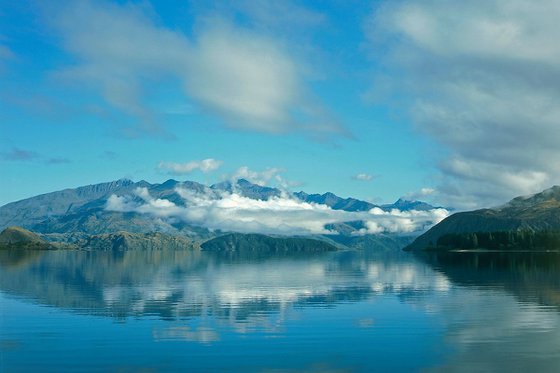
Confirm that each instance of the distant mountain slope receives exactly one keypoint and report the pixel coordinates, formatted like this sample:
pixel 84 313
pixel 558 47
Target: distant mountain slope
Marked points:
pixel 83 209
pixel 335 202
pixel 538 212
pixel 247 189
pixel 351 204
pixel 405 205
pixel 33 210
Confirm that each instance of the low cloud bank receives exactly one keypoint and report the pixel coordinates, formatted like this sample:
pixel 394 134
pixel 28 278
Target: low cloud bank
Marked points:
pixel 277 215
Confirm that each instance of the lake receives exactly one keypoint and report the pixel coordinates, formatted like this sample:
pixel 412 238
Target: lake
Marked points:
pixel 347 311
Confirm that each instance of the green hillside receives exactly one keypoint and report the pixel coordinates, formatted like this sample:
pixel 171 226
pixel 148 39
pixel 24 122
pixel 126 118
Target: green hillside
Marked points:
pixel 238 242
pixel 19 238
pixel 536 216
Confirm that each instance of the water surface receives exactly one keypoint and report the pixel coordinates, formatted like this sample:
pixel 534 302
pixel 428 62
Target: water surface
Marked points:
pixel 354 311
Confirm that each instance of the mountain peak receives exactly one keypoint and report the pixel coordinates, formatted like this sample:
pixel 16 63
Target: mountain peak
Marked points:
pixel 170 183
pixel 85 209
pixel 244 182
pixel 103 188
pixel 247 189
pixel 335 202
pixel 407 205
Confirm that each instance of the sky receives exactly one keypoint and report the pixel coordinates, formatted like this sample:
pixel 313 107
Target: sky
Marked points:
pixel 454 103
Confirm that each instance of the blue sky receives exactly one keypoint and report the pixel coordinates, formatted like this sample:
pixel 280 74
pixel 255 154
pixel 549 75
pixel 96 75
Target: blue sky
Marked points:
pixel 455 103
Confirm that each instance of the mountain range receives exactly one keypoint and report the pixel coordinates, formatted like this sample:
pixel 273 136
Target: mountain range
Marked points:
pixel 525 222
pixel 80 214
pixel 80 217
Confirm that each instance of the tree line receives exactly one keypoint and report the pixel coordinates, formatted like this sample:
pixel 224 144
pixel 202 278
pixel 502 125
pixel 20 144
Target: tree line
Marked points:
pixel 506 240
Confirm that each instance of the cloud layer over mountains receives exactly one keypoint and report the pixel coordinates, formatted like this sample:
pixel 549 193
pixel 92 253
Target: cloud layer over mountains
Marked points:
pixel 283 214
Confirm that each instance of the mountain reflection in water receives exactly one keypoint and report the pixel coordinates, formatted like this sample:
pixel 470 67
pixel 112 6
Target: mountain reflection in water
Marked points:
pixel 442 311
pixel 177 284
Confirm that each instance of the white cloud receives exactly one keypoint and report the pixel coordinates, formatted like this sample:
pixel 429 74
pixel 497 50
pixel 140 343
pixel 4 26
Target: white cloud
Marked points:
pixel 118 203
pixel 363 177
pixel 257 177
pixel 161 208
pixel 426 192
pixel 117 48
pixel 277 215
pixel 420 194
pixel 244 77
pixel 269 176
pixel 204 165
pixel 481 78
pixel 250 79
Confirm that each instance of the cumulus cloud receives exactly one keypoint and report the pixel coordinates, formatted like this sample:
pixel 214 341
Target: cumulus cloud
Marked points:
pixel 142 202
pixel 266 177
pixel 204 165
pixel 363 177
pixel 481 78
pixel 250 79
pixel 277 215
pixel 256 177
pixel 420 194
pixel 244 77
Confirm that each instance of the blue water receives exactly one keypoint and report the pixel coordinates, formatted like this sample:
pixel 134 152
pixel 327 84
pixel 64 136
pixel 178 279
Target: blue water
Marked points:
pixel 163 311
